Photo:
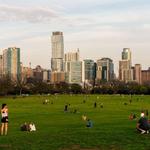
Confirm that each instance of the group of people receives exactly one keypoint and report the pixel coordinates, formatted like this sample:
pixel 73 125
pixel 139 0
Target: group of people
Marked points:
pixel 28 127
pixel 4 122
pixel 143 125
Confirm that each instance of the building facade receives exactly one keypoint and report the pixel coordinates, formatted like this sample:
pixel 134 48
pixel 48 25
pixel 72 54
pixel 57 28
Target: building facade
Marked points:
pixel 73 71
pixel 125 66
pixel 72 56
pixel 73 67
pixel 137 73
pixel 146 76
pixel 57 77
pixel 126 54
pixel 26 73
pixel 38 73
pixel 57 52
pixel 46 75
pixel 11 63
pixel 105 69
pixel 89 71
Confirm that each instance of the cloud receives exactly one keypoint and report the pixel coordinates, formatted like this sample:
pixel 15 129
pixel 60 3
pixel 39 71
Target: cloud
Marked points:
pixel 31 15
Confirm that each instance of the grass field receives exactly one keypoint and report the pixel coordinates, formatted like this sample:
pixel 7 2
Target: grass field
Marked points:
pixel 57 130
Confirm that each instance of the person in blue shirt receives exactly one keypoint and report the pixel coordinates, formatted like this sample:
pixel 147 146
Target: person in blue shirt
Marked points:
pixel 89 123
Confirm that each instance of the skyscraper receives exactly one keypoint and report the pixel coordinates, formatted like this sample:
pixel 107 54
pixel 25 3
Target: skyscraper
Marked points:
pixel 89 71
pixel 105 69
pixel 125 66
pixel 57 52
pixel 73 68
pixel 72 56
pixel 126 54
pixel 74 72
pixel 11 63
pixel 146 76
pixel 137 73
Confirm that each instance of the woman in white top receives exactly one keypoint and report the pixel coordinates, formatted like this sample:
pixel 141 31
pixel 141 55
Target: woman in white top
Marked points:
pixel 4 120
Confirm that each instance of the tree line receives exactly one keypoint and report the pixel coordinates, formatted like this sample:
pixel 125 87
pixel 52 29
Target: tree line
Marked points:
pixel 32 86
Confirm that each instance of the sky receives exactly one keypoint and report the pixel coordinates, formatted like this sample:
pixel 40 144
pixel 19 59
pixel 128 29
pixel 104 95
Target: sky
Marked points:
pixel 99 28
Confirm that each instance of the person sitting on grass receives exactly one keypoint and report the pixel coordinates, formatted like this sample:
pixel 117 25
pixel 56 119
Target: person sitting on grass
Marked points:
pixel 25 127
pixel 89 123
pixel 143 125
pixel 32 127
pixel 46 101
pixel 101 105
pixel 84 117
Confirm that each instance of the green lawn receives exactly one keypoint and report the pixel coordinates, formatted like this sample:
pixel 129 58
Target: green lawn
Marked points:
pixel 57 130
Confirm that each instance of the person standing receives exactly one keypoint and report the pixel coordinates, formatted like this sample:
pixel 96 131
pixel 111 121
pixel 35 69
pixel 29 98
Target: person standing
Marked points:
pixel 66 108
pixel 4 120
pixel 95 105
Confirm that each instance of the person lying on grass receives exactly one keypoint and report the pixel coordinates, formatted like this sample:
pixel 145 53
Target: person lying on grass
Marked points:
pixel 143 125
pixel 28 127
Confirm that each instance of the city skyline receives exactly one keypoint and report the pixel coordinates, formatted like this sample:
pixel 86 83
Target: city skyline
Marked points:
pixel 96 28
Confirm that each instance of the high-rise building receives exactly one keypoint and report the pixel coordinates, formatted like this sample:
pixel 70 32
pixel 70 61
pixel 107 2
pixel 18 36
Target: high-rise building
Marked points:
pixel 105 69
pixel 126 54
pixel 73 71
pixel 46 75
pixel 125 66
pixel 73 68
pixel 11 63
pixel 26 73
pixel 38 73
pixel 125 71
pixel 89 71
pixel 1 66
pixel 57 77
pixel 137 73
pixel 57 52
pixel 72 56
pixel 146 76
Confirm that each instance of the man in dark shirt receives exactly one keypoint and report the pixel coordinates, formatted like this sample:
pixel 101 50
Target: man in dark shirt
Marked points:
pixel 143 126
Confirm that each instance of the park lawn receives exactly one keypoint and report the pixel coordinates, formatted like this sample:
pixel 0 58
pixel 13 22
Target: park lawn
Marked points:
pixel 57 130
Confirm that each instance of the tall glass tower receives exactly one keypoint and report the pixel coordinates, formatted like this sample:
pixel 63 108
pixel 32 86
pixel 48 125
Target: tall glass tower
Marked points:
pixel 126 54
pixel 57 51
pixel 11 62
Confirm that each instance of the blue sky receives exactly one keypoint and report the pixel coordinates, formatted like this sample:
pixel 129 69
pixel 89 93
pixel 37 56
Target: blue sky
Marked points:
pixel 99 28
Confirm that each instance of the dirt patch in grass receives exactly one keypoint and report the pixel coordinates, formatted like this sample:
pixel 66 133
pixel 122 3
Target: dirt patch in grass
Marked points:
pixel 77 147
